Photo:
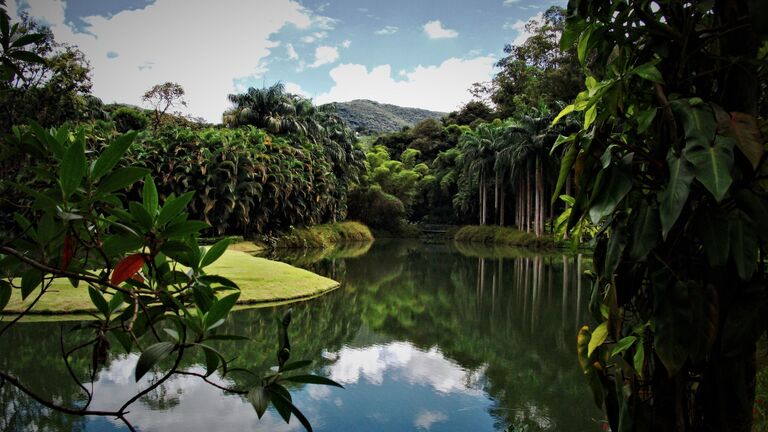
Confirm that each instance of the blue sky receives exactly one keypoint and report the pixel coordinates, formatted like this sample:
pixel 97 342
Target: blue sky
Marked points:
pixel 421 53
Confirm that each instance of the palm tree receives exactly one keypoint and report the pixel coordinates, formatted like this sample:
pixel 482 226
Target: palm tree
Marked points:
pixel 478 159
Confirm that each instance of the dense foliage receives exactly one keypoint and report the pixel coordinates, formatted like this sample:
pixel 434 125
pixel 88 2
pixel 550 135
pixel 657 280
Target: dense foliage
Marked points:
pixel 670 163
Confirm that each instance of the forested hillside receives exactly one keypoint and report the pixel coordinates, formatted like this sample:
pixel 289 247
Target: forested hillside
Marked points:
pixel 368 117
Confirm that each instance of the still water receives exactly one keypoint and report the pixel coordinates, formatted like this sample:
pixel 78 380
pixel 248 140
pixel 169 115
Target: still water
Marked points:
pixel 423 338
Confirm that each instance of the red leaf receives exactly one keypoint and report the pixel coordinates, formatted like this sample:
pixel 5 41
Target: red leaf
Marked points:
pixel 66 252
pixel 126 268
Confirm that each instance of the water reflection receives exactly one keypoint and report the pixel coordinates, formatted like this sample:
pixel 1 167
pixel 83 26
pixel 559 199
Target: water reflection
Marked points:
pixel 424 337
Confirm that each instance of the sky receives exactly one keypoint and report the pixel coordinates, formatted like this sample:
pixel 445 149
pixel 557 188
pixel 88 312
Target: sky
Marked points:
pixel 414 53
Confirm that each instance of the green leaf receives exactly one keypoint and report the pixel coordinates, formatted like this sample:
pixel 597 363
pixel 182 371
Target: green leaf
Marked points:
pixel 5 294
pixel 149 196
pixel 302 419
pixel 279 403
pixel 673 198
pixel 151 356
pixel 589 116
pixel 673 320
pixel 26 56
pixel 73 168
pixel 645 118
pixel 183 229
pixel 645 231
pixel 639 358
pixel 120 179
pixel 615 185
pixel 623 345
pixel 220 309
pixel 173 334
pixel 221 280
pixel 173 207
pixel 564 112
pixel 214 252
pixel 583 45
pixel 111 155
pixel 649 72
pixel 598 337
pixel 98 300
pixel 295 365
pixel 313 379
pixel 30 280
pixel 211 360
pixel 743 246
pixel 259 398
pixel 140 215
pixel 712 164
pixel 27 39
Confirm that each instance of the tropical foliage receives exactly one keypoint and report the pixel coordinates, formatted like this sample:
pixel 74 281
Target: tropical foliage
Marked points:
pixel 140 261
pixel 670 163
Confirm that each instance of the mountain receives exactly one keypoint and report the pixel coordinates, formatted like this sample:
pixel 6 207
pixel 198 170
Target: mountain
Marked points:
pixel 368 117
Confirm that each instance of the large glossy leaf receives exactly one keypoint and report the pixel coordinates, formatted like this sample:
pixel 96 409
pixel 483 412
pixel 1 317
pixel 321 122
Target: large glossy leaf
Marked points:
pixel 614 186
pixel 30 280
pixel 97 298
pixel 151 356
pixel 259 398
pixel 646 226
pixel 149 196
pixel 111 155
pixel 220 309
pixel 649 71
pixel 313 379
pixel 673 198
pixel 121 179
pixel 565 168
pixel 674 321
pixel 173 207
pixel 73 167
pixel 712 163
pixel 214 252
pixel 598 337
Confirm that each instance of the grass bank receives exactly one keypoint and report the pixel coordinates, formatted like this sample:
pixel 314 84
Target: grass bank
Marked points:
pixel 502 236
pixel 325 236
pixel 261 281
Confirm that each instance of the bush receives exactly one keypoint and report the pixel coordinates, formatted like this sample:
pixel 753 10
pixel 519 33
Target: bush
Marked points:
pixel 376 208
pixel 127 119
pixel 496 235
pixel 323 236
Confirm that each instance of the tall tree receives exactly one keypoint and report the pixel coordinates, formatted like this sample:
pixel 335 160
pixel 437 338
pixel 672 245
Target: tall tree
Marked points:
pixel 162 97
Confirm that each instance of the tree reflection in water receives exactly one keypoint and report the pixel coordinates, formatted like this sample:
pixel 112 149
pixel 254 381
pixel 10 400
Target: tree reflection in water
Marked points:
pixel 424 337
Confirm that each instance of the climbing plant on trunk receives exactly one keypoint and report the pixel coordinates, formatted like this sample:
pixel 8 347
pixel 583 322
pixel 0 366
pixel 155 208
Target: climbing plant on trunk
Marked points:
pixel 670 163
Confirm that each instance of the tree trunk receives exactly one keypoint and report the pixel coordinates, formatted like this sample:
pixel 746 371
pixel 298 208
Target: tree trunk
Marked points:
pixel 501 216
pixel 496 200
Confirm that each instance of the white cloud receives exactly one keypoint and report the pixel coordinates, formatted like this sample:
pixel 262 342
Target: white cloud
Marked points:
pixel 347 43
pixel 519 27
pixel 426 419
pixel 435 30
pixel 510 2
pixel 205 63
pixel 441 87
pixel 387 30
pixel 292 54
pixel 316 36
pixel 293 88
pixel 324 55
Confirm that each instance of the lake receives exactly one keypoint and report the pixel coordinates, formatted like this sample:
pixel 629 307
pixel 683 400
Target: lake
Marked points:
pixel 424 337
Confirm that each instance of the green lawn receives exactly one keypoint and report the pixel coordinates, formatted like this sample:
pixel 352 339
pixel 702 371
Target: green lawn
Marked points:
pixel 261 281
